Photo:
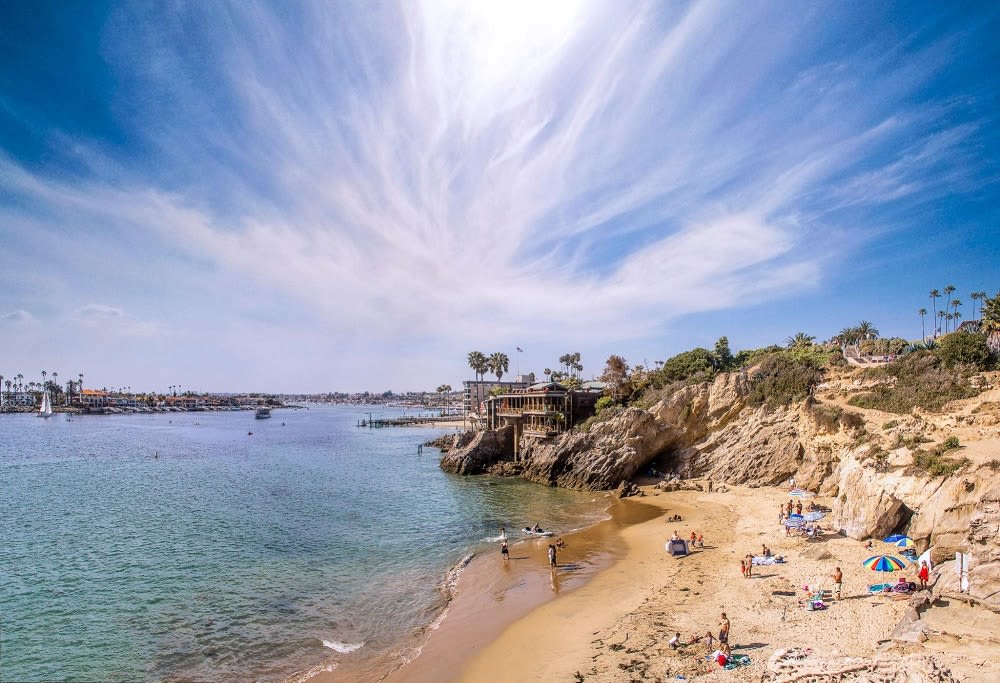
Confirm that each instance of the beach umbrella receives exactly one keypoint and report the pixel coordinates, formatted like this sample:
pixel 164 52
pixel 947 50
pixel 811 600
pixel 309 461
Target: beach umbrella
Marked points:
pixel 884 563
pixel 795 515
pixel 801 493
pixel 795 523
pixel 894 538
pixel 814 516
pixel 905 542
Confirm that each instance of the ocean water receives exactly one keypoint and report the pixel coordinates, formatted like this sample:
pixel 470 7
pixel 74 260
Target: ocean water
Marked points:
pixel 179 547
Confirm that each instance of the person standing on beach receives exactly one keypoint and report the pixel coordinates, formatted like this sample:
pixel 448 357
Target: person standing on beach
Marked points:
pixel 724 634
pixel 924 575
pixel 749 559
pixel 743 568
pixel 504 551
pixel 552 556
pixel 838 582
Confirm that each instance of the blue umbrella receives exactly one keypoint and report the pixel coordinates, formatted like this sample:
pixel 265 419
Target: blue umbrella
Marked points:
pixel 895 537
pixel 814 516
pixel 801 493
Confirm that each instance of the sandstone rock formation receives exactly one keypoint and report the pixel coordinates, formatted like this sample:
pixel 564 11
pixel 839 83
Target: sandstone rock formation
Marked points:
pixel 475 452
pixel 786 666
pixel 708 431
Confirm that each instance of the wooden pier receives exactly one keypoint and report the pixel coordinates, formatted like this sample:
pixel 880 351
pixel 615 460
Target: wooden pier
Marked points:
pixel 405 420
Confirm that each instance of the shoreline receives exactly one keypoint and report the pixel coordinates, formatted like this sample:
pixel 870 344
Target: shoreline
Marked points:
pixel 490 595
pixel 617 616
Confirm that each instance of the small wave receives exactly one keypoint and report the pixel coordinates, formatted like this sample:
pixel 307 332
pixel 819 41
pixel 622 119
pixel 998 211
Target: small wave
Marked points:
pixel 451 579
pixel 343 648
pixel 493 539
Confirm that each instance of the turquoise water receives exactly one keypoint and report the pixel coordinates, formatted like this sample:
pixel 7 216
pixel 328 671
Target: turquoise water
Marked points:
pixel 176 546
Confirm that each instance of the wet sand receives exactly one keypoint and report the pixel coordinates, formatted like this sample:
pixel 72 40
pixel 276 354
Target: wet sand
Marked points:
pixel 492 594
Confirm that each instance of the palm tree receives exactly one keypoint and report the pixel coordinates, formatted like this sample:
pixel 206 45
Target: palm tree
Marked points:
pixel 848 335
pixel 499 363
pixel 935 295
pixel 948 317
pixel 479 364
pixel 991 315
pixel 1 390
pixel 955 303
pixel 801 339
pixel 866 330
pixel 940 315
pixel 43 379
pixel 923 335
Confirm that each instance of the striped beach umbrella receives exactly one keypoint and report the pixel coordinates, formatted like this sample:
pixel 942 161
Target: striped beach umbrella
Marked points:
pixel 905 542
pixel 801 493
pixel 894 538
pixel 884 563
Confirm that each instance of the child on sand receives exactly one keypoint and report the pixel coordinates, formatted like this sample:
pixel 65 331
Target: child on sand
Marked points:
pixel 701 541
pixel 924 575
pixel 743 568
pixel 675 642
pixel 504 551
pixel 838 582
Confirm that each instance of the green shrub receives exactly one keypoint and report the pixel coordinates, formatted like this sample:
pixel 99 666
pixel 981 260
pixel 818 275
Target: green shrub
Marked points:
pixel 964 348
pixel 602 403
pixel 697 364
pixel 782 379
pixel 890 424
pixel 921 380
pixel 827 418
pixel 936 464
pixel 950 444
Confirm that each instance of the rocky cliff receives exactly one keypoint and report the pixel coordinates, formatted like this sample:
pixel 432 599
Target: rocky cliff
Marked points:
pixel 709 431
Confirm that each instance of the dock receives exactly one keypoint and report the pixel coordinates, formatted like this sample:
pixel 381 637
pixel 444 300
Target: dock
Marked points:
pixel 405 420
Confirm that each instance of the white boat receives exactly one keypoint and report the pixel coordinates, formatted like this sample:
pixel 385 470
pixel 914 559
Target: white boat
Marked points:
pixel 46 408
pixel 262 413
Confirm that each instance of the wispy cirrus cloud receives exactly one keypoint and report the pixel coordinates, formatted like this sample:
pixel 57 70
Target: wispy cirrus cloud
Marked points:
pixel 465 166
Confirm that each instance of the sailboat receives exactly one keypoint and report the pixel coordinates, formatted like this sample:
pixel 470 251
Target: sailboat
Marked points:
pixel 46 409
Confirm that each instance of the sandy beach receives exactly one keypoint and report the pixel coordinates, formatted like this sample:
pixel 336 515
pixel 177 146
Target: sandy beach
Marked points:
pixel 609 610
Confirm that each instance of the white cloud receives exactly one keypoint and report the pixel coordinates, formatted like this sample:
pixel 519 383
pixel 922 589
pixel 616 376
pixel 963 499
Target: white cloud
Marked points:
pixel 17 317
pixel 470 170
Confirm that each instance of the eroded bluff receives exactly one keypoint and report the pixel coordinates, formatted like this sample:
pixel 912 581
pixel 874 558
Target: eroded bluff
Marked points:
pixel 709 431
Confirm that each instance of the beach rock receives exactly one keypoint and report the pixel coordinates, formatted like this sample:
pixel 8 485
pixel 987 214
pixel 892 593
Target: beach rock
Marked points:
pixel 796 664
pixel 627 489
pixel 475 452
pixel 445 442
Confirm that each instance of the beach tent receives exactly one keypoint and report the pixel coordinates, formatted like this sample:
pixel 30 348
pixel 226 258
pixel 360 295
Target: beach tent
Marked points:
pixel 677 548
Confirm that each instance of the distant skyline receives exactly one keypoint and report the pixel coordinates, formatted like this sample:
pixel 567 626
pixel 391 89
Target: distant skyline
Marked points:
pixel 345 196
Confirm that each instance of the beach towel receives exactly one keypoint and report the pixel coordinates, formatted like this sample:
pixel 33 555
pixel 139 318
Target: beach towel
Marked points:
pixel 762 561
pixel 880 588
pixel 736 661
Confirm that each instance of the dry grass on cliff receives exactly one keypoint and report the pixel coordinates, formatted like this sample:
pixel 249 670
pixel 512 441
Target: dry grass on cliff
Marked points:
pixel 919 380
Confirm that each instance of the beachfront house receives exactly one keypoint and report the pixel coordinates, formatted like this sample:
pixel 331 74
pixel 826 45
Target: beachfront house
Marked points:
pixel 475 393
pixel 543 410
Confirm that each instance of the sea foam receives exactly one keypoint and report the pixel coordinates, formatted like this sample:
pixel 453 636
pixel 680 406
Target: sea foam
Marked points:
pixel 342 647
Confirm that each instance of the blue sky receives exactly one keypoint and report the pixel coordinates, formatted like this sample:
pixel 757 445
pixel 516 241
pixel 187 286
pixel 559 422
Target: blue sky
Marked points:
pixel 336 196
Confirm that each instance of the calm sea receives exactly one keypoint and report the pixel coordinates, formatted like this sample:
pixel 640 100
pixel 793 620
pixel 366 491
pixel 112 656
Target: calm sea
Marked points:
pixel 178 546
